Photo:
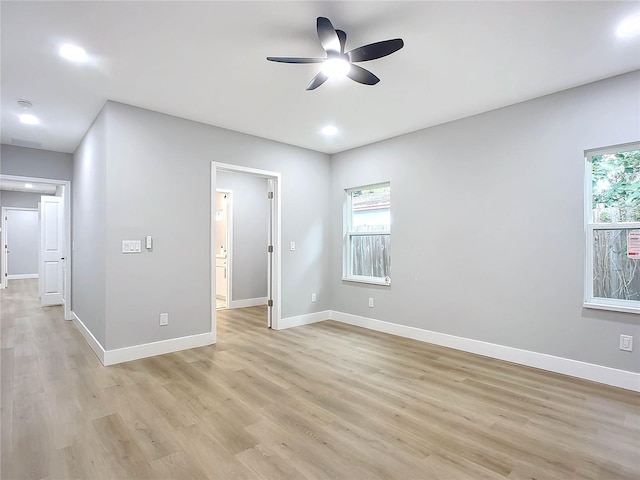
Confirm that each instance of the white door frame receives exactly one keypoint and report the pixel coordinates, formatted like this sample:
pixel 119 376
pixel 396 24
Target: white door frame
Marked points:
pixel 229 239
pixel 66 194
pixel 5 258
pixel 276 293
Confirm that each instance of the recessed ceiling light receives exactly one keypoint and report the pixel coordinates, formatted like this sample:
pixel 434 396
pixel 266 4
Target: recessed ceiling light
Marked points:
pixel 29 119
pixel 335 67
pixel 329 130
pixel 630 26
pixel 28 185
pixel 73 53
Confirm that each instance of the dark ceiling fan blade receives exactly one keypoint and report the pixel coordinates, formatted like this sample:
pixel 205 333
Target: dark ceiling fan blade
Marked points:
pixel 318 80
pixel 296 60
pixel 361 75
pixel 342 36
pixel 328 36
pixel 375 50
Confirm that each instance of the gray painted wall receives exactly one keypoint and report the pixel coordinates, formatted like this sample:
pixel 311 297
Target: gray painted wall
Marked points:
pixel 487 224
pixel 30 162
pixel 89 229
pixel 9 198
pixel 158 171
pixel 250 230
pixel 23 239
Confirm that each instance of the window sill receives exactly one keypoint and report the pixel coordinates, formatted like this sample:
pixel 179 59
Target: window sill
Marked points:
pixel 613 308
pixel 369 280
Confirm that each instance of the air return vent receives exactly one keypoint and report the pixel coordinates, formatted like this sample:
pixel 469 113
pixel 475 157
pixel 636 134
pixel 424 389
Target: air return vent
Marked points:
pixel 18 142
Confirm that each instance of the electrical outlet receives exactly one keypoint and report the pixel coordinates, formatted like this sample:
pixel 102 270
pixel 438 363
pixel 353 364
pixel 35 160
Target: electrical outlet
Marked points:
pixel 313 298
pixel 626 343
pixel 370 302
pixel 164 319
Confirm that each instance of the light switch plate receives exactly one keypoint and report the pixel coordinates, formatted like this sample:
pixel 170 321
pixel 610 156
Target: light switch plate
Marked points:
pixel 293 246
pixel 131 246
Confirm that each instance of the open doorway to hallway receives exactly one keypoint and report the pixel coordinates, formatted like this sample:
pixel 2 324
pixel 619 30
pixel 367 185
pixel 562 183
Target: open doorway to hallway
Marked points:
pixel 245 244
pixel 48 258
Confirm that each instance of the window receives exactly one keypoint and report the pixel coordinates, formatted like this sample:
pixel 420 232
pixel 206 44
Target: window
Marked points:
pixel 613 228
pixel 367 237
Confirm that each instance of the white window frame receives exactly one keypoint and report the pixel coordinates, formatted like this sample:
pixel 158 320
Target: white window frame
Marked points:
pixel 349 233
pixel 629 306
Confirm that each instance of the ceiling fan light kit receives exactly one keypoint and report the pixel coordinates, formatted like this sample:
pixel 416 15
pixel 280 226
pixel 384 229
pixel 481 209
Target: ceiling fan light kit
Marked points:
pixel 339 63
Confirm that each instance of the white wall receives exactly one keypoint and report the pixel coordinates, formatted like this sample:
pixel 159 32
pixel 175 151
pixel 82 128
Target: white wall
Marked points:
pixel 89 229
pixel 487 224
pixel 158 171
pixel 221 224
pixel 9 198
pixel 250 229
pixel 23 239
pixel 30 162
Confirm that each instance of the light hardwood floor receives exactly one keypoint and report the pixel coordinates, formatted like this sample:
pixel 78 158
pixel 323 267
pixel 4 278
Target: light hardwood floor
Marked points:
pixel 316 402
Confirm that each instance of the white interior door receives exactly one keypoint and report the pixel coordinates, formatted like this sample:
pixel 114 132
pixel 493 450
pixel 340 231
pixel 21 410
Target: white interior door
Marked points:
pixel 52 255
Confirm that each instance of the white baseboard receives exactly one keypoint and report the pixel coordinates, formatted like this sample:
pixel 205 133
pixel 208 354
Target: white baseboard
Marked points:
pixel 249 302
pixel 88 336
pixel 136 352
pixel 306 319
pixel 565 366
pixel 22 276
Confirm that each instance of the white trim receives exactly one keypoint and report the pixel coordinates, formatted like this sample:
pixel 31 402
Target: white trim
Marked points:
pixel 136 352
pixel 622 147
pixel 88 336
pixel 371 280
pixel 22 276
pixel 565 366
pixel 66 194
pixel 348 233
pixel 305 319
pixel 248 302
pixel 591 301
pixel 277 253
pixel 607 304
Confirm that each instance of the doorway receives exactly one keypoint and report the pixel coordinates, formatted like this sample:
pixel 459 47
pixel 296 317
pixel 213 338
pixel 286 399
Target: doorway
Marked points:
pixel 59 244
pixel 224 232
pixel 20 240
pixel 271 243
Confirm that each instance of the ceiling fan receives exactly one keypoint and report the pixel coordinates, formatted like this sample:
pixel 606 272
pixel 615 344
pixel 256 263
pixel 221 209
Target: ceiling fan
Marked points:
pixel 337 62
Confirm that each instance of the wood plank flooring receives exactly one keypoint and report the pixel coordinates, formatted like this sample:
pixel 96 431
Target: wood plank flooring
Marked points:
pixel 316 402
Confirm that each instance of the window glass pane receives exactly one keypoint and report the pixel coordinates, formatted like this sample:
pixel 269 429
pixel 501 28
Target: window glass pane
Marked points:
pixel 371 210
pixel 371 255
pixel 616 187
pixel 615 274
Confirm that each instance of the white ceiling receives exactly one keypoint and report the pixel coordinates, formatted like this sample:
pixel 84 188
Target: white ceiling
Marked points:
pixel 205 61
